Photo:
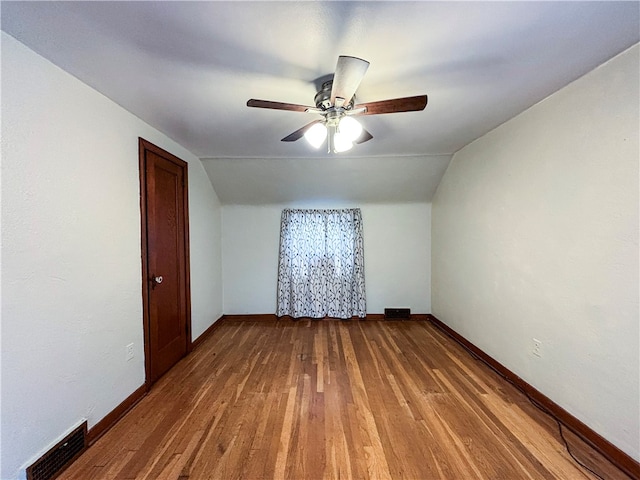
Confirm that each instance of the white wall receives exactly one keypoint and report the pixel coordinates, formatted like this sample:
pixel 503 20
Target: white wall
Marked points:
pixel 71 257
pixel 397 242
pixel 535 235
pixel 397 256
pixel 205 249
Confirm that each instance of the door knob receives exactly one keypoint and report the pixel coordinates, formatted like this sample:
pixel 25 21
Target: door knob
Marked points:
pixel 155 280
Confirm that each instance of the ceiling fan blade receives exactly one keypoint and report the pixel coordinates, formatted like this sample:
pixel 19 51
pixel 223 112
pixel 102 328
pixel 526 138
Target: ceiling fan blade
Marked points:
pixel 364 137
pixel 298 134
pixel 406 104
pixel 276 105
pixel 347 78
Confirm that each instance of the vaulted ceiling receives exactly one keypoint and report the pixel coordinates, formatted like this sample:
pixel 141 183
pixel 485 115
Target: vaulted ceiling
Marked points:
pixel 188 69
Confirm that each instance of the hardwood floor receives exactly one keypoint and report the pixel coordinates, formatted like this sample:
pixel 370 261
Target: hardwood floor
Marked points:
pixel 337 400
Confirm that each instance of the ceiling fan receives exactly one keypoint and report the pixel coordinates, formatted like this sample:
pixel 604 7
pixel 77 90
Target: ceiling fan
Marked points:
pixel 336 103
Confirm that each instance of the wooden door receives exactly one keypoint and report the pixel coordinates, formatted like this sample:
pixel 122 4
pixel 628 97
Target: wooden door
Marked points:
pixel 165 259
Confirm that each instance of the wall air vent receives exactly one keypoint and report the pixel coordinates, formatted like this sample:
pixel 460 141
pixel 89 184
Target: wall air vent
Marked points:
pixel 397 313
pixel 60 456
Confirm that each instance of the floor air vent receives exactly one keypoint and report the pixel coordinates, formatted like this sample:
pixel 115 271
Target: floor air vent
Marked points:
pixel 397 313
pixel 60 456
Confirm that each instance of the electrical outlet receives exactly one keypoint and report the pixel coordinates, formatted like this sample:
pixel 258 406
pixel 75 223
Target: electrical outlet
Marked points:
pixel 130 352
pixel 537 348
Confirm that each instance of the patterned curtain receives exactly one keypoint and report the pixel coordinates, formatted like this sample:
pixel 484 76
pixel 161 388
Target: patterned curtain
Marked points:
pixel 321 266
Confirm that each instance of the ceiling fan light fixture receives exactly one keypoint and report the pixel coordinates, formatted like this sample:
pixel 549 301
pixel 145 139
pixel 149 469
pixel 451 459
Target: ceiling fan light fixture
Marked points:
pixel 316 135
pixel 350 127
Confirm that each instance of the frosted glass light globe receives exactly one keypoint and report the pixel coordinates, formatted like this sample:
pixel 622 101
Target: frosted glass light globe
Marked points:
pixel 341 143
pixel 316 135
pixel 350 127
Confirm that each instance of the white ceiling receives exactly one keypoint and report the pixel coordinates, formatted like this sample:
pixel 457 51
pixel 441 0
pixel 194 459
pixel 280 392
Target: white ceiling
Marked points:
pixel 188 68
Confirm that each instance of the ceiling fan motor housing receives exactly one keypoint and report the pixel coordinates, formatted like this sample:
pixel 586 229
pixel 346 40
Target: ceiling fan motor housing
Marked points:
pixel 323 97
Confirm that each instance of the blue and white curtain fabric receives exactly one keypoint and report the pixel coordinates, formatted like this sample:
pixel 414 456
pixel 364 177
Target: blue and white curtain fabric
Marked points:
pixel 321 266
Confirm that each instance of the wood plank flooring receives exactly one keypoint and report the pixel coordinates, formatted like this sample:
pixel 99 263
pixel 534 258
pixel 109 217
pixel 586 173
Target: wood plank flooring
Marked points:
pixel 333 399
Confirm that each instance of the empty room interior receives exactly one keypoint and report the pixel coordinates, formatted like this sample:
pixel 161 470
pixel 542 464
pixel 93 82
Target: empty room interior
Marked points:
pixel 320 240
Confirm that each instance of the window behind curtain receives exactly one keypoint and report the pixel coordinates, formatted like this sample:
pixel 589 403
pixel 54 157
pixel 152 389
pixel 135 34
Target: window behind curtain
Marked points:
pixel 321 265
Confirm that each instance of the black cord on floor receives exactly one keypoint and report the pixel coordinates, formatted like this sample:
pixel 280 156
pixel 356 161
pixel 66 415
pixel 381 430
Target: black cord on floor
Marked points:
pixel 571 453
pixel 560 430
pixel 534 403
